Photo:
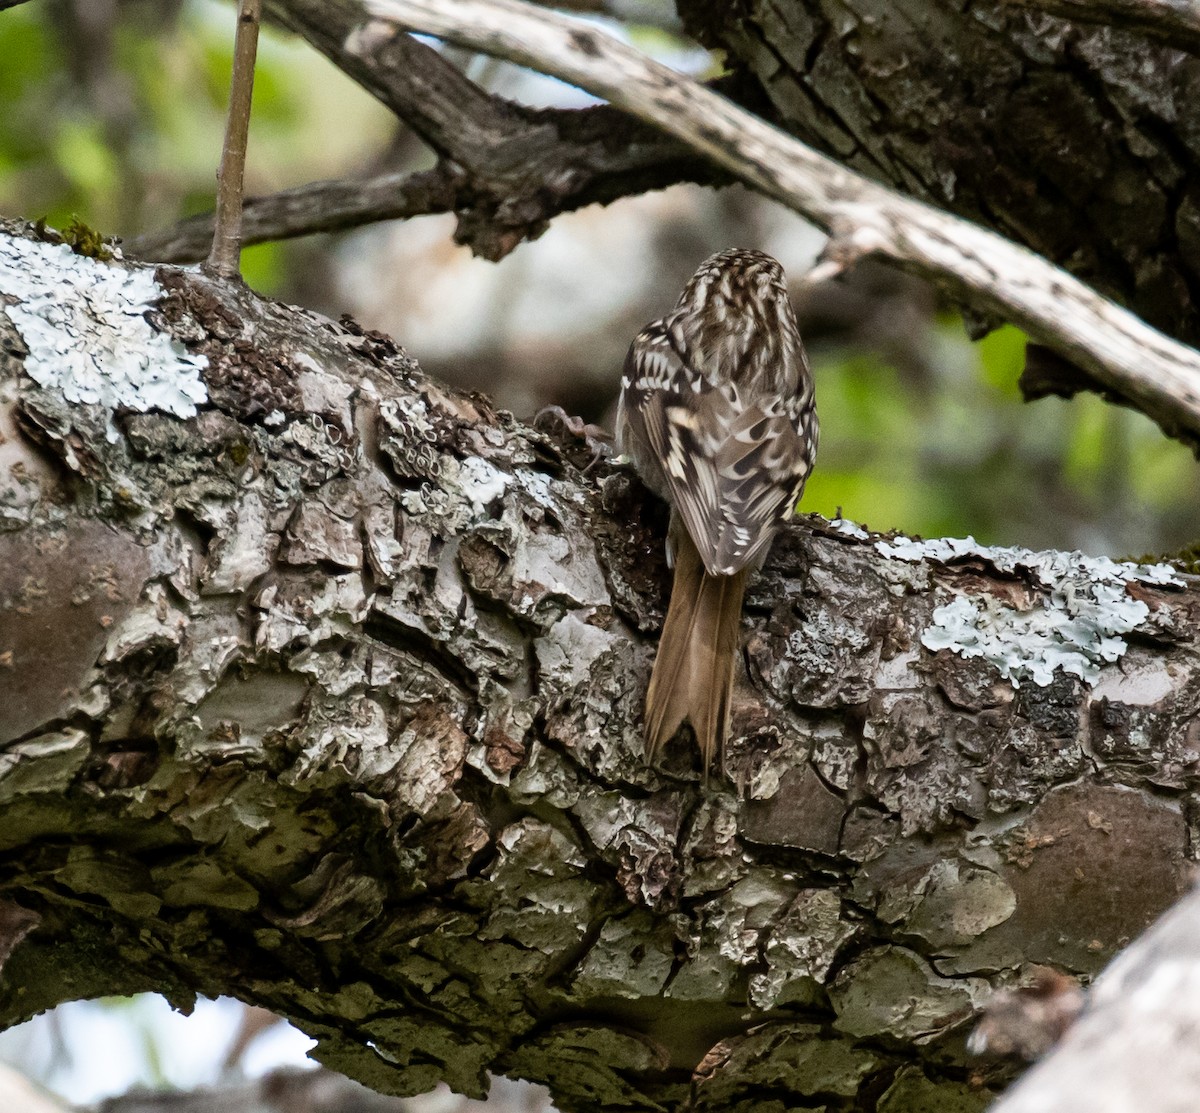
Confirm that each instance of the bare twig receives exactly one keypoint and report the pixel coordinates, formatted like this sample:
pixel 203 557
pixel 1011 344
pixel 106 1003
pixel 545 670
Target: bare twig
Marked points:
pixel 305 210
pixel 1160 376
pixel 1174 22
pixel 224 258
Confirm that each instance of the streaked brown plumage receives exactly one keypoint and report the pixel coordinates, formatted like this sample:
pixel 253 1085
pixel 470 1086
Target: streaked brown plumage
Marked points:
pixel 717 415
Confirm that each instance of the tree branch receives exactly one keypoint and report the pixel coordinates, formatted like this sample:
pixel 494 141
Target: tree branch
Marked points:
pixel 505 170
pixel 223 260
pixel 309 209
pixel 325 693
pixel 1158 375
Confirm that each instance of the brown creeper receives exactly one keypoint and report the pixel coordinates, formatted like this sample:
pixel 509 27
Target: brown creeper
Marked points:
pixel 717 415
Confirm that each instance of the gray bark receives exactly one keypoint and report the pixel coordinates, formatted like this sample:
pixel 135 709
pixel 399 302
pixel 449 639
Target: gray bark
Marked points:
pixel 327 697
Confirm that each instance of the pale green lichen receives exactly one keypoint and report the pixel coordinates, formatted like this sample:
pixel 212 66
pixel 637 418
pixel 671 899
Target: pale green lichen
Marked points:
pixel 1074 624
pixel 84 325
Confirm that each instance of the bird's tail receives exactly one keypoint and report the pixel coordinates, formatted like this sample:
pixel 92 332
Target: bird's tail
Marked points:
pixel 693 672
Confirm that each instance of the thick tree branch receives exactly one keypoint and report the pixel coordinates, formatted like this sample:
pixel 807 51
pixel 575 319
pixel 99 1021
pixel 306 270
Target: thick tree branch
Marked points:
pixel 325 693
pixel 1156 374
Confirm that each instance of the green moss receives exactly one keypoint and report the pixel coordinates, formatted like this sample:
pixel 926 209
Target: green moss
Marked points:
pixel 79 237
pixel 1187 559
pixel 87 241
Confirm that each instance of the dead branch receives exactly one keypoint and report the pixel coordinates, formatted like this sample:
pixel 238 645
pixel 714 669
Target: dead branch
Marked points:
pixel 224 259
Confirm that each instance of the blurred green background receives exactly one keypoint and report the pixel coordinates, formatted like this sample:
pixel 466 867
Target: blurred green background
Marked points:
pixel 113 113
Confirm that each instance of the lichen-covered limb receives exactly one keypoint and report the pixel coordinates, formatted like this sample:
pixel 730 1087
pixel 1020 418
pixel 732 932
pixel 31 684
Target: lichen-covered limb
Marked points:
pixel 328 697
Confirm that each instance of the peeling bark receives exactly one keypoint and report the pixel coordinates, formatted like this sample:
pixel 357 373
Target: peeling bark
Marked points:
pixel 328 698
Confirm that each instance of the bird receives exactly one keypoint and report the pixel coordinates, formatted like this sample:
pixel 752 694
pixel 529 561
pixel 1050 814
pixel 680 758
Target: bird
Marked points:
pixel 717 416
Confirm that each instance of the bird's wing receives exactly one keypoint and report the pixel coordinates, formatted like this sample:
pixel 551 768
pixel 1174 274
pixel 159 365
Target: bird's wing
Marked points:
pixel 733 466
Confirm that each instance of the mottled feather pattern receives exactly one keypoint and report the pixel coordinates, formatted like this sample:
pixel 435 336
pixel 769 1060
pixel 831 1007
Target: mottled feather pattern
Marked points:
pixel 717 409
pixel 717 414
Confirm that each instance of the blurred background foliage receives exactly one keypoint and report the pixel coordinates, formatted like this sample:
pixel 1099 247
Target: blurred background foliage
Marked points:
pixel 113 112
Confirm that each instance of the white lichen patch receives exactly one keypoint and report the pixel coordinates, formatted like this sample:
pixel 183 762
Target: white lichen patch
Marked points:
pixel 481 483
pixel 85 327
pixel 849 528
pixel 1075 624
pixel 1012 559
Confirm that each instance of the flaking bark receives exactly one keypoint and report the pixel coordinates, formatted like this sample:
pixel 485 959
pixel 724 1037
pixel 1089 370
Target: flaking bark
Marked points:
pixel 329 698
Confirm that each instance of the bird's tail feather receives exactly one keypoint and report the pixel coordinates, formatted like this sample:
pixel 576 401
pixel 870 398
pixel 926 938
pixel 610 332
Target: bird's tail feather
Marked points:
pixel 693 672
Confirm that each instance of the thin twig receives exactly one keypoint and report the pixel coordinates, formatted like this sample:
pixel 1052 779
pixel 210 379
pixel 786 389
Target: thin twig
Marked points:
pixel 1156 374
pixel 223 261
pixel 305 210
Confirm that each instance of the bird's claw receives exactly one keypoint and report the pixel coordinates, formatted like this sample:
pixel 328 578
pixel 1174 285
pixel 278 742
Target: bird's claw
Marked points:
pixel 598 441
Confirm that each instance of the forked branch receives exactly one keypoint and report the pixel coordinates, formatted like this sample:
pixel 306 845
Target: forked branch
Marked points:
pixel 1159 376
